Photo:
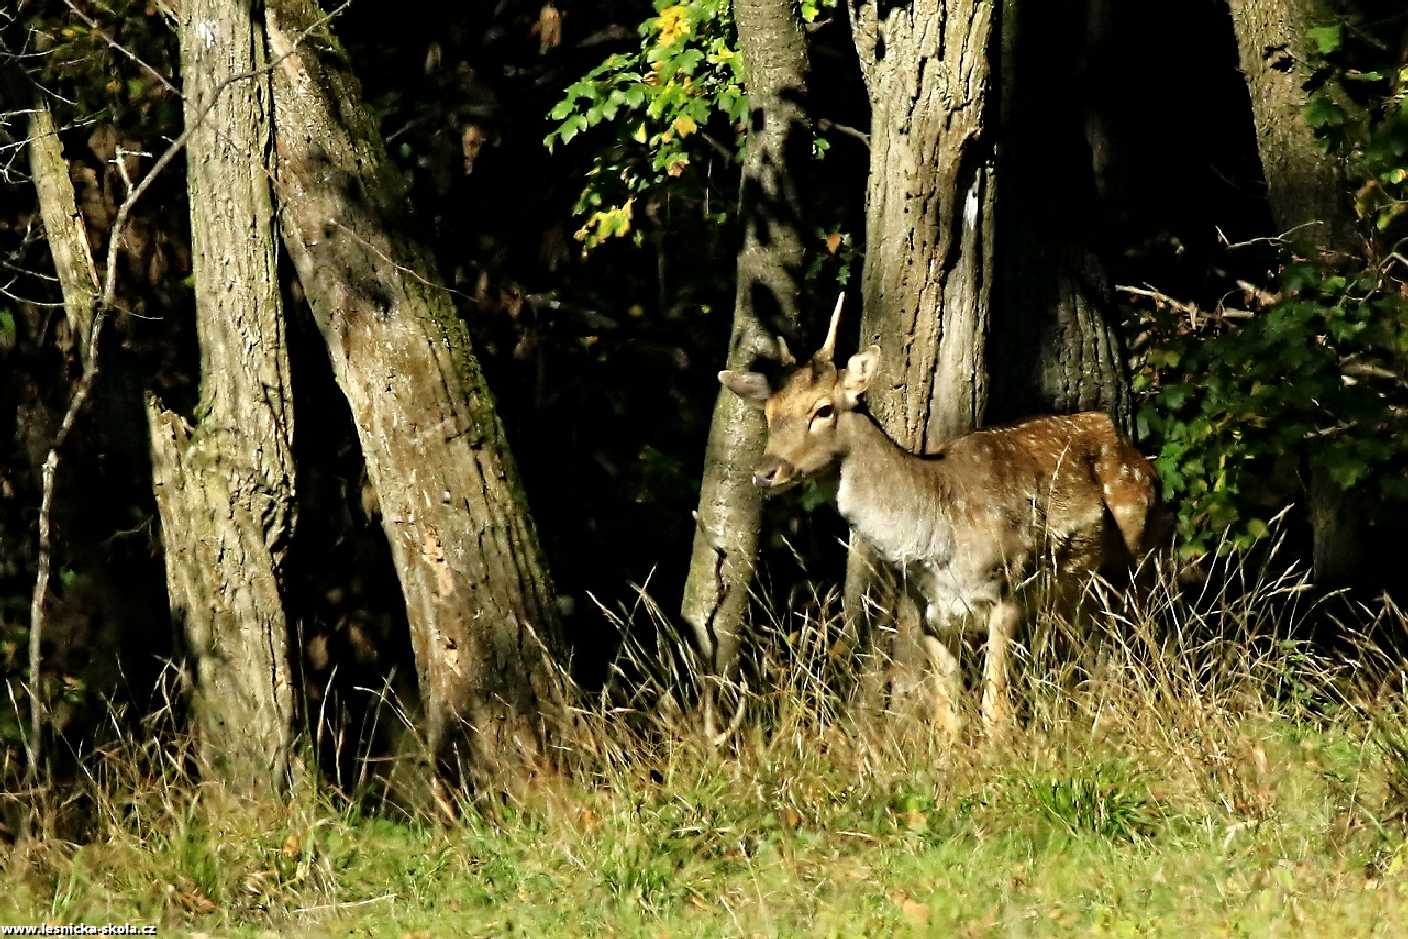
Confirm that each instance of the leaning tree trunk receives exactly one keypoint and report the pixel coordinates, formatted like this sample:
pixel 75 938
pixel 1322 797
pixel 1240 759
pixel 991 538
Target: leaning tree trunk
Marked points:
pixel 478 597
pixel 225 488
pixel 766 304
pixel 1059 349
pixel 928 278
pixel 1304 186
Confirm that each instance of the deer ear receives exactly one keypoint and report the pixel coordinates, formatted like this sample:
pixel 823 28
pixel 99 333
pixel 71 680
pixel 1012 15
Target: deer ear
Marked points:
pixel 860 372
pixel 752 387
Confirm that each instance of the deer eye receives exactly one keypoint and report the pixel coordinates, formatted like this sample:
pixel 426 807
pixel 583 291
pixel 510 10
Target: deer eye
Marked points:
pixel 823 412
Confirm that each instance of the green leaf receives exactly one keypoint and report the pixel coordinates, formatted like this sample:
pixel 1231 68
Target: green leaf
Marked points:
pixel 1321 112
pixel 1327 38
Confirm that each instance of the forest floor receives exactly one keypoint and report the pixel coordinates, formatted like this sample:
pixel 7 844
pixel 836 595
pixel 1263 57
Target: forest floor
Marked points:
pixel 1241 785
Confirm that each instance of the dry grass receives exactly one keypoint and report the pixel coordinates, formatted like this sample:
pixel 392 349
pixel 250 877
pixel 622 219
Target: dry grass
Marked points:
pixel 1185 761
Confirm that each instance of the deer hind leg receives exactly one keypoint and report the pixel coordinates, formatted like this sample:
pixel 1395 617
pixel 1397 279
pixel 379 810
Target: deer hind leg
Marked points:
pixel 1002 627
pixel 945 672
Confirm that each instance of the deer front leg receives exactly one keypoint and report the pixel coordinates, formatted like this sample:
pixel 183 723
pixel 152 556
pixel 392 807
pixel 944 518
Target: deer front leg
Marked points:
pixel 940 644
pixel 1002 627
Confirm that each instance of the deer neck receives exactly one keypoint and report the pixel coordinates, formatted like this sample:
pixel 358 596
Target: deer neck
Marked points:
pixel 896 501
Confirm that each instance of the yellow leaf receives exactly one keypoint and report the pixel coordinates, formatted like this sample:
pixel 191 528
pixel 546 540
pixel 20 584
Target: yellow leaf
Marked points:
pixel 639 135
pixel 676 167
pixel 671 23
pixel 833 242
pixel 685 125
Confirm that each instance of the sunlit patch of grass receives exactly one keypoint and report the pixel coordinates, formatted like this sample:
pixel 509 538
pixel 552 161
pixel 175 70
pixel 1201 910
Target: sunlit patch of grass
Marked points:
pixel 1184 764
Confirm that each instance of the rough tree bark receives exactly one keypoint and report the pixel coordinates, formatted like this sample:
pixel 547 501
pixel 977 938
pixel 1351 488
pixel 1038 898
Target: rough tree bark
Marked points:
pixel 1303 185
pixel 766 305
pixel 1059 349
pixel 477 592
pixel 225 487
pixel 929 274
pixel 63 225
pixel 927 281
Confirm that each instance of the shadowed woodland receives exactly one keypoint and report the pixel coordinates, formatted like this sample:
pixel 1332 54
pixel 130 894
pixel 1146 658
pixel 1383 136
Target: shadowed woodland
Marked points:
pixel 362 452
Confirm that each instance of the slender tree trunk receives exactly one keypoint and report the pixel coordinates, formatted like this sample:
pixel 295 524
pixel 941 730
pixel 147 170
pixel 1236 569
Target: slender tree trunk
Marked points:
pixel 1059 349
pixel 929 273
pixel 63 225
pixel 766 304
pixel 477 592
pixel 78 280
pixel 1303 185
pixel 225 488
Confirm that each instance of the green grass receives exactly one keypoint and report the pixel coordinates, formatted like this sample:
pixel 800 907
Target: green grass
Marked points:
pixel 1235 785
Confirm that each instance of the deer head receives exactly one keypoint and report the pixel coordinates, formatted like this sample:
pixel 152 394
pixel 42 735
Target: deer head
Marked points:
pixel 804 412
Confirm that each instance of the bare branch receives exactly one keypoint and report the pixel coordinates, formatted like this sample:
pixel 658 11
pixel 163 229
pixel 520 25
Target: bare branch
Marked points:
pixel 1182 306
pixel 1280 239
pixel 825 124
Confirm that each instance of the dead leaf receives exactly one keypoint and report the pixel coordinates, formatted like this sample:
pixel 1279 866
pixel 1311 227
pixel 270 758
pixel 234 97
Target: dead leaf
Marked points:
pixel 471 142
pixel 548 29
pixel 914 911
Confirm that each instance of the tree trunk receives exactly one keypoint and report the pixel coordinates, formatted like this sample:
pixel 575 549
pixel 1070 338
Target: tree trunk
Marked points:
pixel 1059 349
pixel 766 304
pixel 1303 185
pixel 928 278
pixel 63 226
pixel 478 597
pixel 225 488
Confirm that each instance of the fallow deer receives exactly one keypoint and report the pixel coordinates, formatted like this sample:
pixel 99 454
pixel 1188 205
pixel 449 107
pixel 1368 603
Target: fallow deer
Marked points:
pixel 970 525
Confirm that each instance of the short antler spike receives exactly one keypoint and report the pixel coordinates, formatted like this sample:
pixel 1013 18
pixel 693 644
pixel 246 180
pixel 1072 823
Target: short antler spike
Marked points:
pixel 784 354
pixel 828 348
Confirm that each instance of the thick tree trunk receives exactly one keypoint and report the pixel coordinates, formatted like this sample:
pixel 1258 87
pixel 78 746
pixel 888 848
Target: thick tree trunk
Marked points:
pixel 768 292
pixel 929 274
pixel 1304 185
pixel 1059 349
pixel 225 488
pixel 478 597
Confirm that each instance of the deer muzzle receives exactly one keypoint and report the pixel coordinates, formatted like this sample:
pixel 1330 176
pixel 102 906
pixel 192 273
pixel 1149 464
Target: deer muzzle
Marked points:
pixel 773 472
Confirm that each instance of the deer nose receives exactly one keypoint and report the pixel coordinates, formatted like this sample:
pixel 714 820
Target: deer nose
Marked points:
pixel 773 471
